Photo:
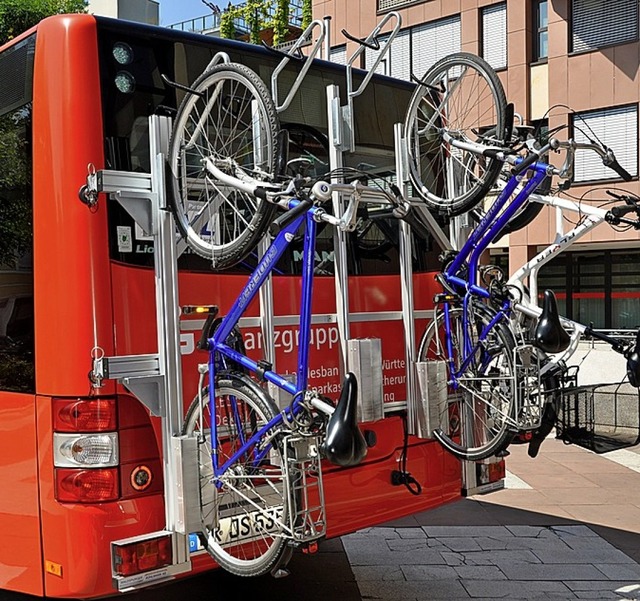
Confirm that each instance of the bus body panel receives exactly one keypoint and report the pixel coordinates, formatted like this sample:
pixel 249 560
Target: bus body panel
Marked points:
pixel 68 124
pixel 20 560
pixel 77 537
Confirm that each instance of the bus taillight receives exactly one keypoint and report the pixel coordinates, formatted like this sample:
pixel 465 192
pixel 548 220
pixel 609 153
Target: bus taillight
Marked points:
pixel 84 415
pixel 136 557
pixel 87 486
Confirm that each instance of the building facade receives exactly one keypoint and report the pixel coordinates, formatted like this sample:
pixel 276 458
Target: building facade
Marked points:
pixel 567 64
pixel 142 11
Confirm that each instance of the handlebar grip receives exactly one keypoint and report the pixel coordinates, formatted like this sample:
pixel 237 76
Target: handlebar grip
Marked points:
pixel 523 165
pixel 620 170
pixel 291 215
pixel 622 210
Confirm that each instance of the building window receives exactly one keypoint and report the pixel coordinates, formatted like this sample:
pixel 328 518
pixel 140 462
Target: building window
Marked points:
pixel 338 54
pixel 494 35
pixel 433 41
pixel 391 4
pixel 540 30
pixel 602 287
pixel 617 128
pixel 597 23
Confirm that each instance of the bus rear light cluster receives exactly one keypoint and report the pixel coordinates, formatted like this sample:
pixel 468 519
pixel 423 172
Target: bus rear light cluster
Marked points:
pixel 136 557
pixel 87 486
pixel 86 450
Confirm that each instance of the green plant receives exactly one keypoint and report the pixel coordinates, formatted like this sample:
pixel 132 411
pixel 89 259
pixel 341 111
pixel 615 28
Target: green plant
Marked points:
pixel 280 22
pixel 307 13
pixel 227 21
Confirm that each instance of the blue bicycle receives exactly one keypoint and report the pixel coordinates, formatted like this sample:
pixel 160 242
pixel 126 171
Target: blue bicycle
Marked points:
pixel 259 466
pixel 489 349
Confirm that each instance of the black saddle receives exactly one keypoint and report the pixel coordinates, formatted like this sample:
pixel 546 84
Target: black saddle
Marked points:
pixel 550 336
pixel 344 443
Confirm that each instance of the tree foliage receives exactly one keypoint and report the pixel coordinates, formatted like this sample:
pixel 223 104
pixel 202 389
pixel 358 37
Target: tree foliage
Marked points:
pixel 307 13
pixel 280 22
pixel 17 16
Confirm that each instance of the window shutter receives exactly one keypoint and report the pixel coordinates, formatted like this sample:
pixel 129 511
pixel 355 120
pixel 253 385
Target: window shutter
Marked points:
pixel 615 127
pixel 396 62
pixel 597 23
pixel 494 35
pixel 433 41
pixel 338 55
pixel 370 57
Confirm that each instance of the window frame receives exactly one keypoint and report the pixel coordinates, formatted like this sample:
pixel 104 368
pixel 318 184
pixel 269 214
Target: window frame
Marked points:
pixel 614 177
pixel 481 21
pixel 537 30
pixel 570 38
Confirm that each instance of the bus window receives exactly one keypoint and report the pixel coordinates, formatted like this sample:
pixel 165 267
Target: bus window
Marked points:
pixel 133 89
pixel 17 371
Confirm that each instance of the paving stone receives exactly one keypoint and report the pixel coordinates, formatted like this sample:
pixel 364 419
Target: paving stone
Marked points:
pixel 584 556
pixel 530 531
pixel 411 533
pixel 480 573
pixel 551 544
pixel 491 544
pixel 517 590
pixel 460 544
pixel 488 558
pixel 396 591
pixel 415 573
pixel 629 571
pixel 570 531
pixel 381 555
pixel 407 544
pixel 539 572
pixel 453 559
pixel 604 589
pixel 466 531
pixel 362 573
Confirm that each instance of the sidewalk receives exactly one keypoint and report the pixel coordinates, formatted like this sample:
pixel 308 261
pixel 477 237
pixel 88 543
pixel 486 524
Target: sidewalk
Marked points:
pixel 567 528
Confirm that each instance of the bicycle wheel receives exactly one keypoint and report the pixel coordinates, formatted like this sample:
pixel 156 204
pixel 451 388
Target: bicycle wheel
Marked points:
pixel 240 510
pixel 477 415
pixel 462 95
pixel 230 120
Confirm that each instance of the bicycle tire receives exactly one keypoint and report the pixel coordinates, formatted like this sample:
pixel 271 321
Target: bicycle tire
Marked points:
pixel 231 120
pixel 261 548
pixel 480 413
pixel 473 100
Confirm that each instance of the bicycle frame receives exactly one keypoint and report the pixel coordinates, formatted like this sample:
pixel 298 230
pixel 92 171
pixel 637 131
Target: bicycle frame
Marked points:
pixel 265 267
pixel 469 256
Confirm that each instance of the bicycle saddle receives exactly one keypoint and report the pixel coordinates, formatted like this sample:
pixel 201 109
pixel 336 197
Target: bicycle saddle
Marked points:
pixel 344 443
pixel 633 364
pixel 550 336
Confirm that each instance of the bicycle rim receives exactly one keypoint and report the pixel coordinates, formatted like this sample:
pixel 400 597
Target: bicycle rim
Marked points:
pixel 240 518
pixel 460 95
pixel 474 417
pixel 230 121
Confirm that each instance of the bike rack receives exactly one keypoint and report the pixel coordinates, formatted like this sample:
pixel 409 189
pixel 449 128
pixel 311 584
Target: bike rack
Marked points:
pixel 156 379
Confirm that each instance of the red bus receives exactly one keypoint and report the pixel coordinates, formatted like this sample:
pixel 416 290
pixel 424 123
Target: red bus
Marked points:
pixel 73 280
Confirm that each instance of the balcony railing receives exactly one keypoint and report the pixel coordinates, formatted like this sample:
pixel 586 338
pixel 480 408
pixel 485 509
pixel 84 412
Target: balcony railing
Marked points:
pixel 211 22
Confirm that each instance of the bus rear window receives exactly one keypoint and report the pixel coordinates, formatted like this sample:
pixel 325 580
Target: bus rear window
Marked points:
pixel 16 218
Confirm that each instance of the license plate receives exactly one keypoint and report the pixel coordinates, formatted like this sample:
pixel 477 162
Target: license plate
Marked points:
pixel 246 527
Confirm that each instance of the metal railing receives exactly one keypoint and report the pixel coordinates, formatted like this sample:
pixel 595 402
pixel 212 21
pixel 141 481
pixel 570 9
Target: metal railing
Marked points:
pixel 211 22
